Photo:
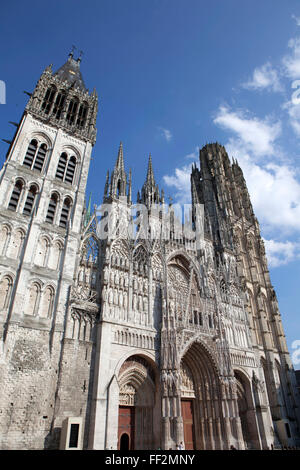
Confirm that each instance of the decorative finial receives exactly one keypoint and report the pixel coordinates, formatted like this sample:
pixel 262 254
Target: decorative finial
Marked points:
pixel 72 52
pixel 80 56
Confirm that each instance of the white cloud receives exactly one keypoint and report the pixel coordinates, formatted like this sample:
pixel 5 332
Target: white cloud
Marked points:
pixel 274 191
pixel 269 78
pixel 180 180
pixel 265 77
pixel 293 111
pixel 291 69
pixel 194 155
pixel 281 253
pixel 292 107
pixel 166 134
pixel 297 19
pixel 291 62
pixel 257 136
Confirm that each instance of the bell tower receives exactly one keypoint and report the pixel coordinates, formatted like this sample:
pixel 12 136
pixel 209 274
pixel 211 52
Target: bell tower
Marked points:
pixel 42 200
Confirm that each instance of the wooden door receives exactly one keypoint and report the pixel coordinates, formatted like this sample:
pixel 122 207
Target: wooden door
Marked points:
pixel 126 426
pixel 188 423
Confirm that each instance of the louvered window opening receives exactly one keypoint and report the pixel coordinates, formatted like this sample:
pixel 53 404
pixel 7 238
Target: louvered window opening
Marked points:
pixel 35 159
pixel 72 110
pixel 82 116
pixel 60 172
pixel 70 170
pixel 40 158
pixel 64 213
pixel 48 100
pixel 29 201
pixel 13 203
pixel 51 209
pixel 29 157
pixel 59 105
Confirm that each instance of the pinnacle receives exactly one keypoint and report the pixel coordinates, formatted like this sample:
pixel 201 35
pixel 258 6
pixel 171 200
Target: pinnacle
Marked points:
pixel 120 159
pixel 150 174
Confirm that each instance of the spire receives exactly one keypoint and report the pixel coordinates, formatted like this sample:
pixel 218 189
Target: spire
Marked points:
pixel 118 181
pixel 106 185
pixel 120 159
pixel 150 176
pixel 150 191
pixel 88 211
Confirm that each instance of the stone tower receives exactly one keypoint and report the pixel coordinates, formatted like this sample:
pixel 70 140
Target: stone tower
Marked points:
pixel 232 226
pixel 42 199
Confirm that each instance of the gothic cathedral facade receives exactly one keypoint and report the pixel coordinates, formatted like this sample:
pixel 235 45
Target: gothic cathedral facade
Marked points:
pixel 123 342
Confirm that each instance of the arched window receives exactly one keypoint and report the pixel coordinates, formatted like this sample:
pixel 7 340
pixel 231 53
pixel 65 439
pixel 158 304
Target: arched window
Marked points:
pixel 48 99
pixel 55 254
pixel 34 158
pixel 91 249
pixel 59 104
pixel 70 170
pixel 47 303
pixel 4 239
pixel 61 167
pixel 40 157
pixel 5 291
pixel 72 111
pixel 52 208
pixel 30 154
pixel 82 113
pixel 42 252
pixel 66 168
pixel 34 299
pixel 65 213
pixel 30 200
pixel 15 197
pixel 15 246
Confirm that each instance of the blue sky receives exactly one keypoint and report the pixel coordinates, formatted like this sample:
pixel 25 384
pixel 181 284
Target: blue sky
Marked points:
pixel 171 76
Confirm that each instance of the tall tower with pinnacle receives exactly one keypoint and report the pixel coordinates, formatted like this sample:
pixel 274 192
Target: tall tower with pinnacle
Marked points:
pixel 42 199
pixel 231 225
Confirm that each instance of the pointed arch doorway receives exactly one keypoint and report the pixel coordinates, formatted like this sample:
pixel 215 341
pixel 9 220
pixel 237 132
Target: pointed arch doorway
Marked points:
pixel 201 406
pixel 136 405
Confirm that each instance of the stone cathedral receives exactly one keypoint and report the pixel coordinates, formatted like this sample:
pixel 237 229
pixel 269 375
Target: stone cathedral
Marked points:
pixel 131 342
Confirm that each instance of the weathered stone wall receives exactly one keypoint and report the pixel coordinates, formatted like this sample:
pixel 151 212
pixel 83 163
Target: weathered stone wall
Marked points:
pixel 75 385
pixel 28 381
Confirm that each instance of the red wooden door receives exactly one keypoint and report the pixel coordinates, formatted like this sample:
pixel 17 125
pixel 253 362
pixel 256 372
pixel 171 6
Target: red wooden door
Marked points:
pixel 126 426
pixel 188 423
